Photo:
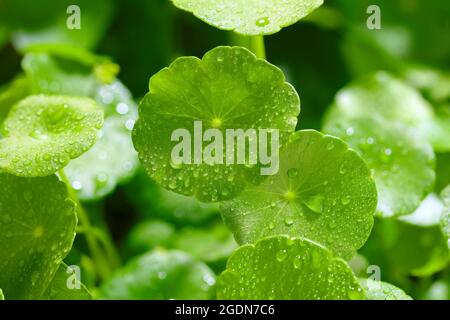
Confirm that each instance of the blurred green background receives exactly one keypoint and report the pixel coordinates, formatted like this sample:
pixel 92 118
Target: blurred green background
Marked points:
pixel 319 55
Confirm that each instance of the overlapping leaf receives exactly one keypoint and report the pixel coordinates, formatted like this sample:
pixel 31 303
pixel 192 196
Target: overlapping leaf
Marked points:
pixel 250 17
pixel 303 269
pixel 445 218
pixel 112 159
pixel 42 133
pixel 66 286
pixel 160 275
pixel 37 226
pixel 228 89
pixel 378 290
pixel 323 192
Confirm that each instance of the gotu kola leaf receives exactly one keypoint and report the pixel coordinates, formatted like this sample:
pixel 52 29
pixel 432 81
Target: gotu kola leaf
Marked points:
pixel 323 192
pixel 43 133
pixel 228 89
pixel 112 159
pixel 250 17
pixel 37 228
pixel 445 219
pixel 66 286
pixel 160 275
pixel 401 160
pixel 305 271
pixel 378 290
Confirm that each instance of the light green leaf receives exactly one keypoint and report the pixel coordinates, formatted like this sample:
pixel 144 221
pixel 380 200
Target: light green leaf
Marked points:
pixel 37 225
pixel 210 244
pixel 284 268
pixel 323 192
pixel 42 134
pixel 2 297
pixel 378 290
pixel 401 160
pixel 160 275
pixel 250 17
pixel 445 218
pixel 386 98
pixel 65 286
pixel 228 89
pixel 112 160
pixel 427 214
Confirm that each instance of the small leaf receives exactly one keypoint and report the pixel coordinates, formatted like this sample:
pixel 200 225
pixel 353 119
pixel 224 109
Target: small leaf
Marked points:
pixel 323 192
pixel 250 17
pixel 445 218
pixel 2 297
pixel 378 290
pixel 63 287
pixel 37 225
pixel 401 160
pixel 42 134
pixel 112 160
pixel 287 269
pixel 229 88
pixel 160 275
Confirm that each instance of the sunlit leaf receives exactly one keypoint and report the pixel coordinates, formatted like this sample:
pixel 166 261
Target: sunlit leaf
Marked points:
pixel 65 286
pixel 228 88
pixel 323 192
pixel 160 275
pixel 445 218
pixel 42 133
pixel 250 17
pixel 378 290
pixel 283 268
pixel 37 226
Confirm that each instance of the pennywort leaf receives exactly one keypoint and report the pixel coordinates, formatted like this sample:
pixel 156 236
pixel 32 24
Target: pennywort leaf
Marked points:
pixel 160 275
pixel 378 290
pixel 66 286
pixel 304 271
pixel 445 218
pixel 42 133
pixel 250 17
pixel 323 192
pixel 228 89
pixel 402 162
pixel 37 225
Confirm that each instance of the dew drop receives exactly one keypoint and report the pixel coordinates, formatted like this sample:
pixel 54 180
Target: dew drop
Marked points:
pixel 262 22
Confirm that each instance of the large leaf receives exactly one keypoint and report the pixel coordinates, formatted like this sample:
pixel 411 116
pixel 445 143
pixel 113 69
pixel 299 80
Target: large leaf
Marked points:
pixel 378 290
pixel 42 134
pixel 402 161
pixel 65 286
pixel 250 17
pixel 160 275
pixel 37 228
pixel 445 219
pixel 284 268
pixel 323 192
pixel 112 159
pixel 228 89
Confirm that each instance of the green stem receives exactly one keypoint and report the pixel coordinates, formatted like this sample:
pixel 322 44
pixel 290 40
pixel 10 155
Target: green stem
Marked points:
pixel 101 262
pixel 258 47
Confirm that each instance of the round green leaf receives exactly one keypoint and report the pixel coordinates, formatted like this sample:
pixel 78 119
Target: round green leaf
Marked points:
pixel 112 160
pixel 384 97
pixel 250 17
pixel 42 134
pixel 228 89
pixel 65 286
pixel 445 219
pixel 323 192
pixel 37 226
pixel 378 290
pixel 160 275
pixel 303 269
pixel 401 161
